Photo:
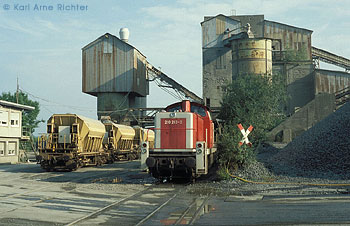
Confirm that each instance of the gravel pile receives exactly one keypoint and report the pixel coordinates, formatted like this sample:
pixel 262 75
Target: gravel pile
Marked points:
pixel 321 152
pixel 254 171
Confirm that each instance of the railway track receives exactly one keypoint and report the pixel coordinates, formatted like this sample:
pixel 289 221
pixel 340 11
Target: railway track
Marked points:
pixel 135 209
pixel 62 180
pixel 155 212
pixel 79 201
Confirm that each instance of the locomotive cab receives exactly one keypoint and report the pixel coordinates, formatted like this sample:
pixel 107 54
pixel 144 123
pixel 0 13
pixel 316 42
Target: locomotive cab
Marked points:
pixel 184 142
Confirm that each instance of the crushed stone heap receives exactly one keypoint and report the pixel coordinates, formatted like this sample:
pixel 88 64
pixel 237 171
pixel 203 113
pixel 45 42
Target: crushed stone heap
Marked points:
pixel 321 152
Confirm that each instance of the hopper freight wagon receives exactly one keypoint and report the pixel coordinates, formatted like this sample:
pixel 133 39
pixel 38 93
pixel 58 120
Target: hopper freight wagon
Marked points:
pixel 72 141
pixel 123 142
pixel 184 142
pixel 120 141
pixel 143 135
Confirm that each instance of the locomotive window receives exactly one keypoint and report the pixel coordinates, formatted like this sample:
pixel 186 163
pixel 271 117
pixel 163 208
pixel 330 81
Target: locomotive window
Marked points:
pixel 199 110
pixel 174 109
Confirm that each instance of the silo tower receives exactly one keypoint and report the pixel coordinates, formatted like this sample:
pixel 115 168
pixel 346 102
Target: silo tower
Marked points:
pixel 115 72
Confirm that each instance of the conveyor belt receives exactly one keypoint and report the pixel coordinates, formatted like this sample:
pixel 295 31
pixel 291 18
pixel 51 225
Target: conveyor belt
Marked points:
pixel 171 83
pixel 330 58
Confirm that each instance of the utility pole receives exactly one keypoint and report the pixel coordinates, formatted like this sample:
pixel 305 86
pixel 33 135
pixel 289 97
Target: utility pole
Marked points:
pixel 17 92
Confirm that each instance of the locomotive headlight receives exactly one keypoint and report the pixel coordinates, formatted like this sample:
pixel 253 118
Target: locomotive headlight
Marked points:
pixel 199 151
pixel 172 114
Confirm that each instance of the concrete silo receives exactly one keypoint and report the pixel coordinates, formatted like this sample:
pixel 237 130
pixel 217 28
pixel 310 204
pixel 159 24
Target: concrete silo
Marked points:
pixel 251 56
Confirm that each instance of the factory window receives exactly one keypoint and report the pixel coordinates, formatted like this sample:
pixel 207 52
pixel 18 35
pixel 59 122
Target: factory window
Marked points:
pixel 2 148
pixel 207 101
pixel 4 118
pixel 14 122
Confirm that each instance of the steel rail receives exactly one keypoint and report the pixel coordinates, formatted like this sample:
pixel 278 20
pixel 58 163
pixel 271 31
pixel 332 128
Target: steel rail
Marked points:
pixel 45 187
pixel 196 215
pixel 185 212
pixel 155 211
pixel 118 202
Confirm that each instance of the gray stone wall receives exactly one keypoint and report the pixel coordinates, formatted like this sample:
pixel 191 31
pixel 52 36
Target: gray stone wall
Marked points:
pixel 217 73
pixel 300 83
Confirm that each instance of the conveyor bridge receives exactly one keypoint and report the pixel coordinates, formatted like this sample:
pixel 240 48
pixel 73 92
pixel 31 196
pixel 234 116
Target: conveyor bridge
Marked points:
pixel 164 81
pixel 330 58
pixel 180 92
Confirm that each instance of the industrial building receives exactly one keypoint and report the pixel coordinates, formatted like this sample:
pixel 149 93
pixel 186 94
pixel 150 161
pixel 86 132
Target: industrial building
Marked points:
pixel 233 45
pixel 115 72
pixel 118 74
pixel 11 131
pixel 220 63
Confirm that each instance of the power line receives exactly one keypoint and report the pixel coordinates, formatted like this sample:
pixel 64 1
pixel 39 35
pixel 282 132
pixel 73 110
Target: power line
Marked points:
pixel 56 103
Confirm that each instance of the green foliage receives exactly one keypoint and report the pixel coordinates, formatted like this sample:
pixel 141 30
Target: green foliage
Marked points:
pixel 296 55
pixel 29 118
pixel 250 100
pixel 231 156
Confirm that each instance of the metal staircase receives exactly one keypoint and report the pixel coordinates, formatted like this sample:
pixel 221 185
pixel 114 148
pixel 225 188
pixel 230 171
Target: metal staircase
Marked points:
pixel 27 143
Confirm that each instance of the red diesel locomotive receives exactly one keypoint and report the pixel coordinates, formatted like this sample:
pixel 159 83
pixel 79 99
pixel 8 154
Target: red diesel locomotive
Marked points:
pixel 184 142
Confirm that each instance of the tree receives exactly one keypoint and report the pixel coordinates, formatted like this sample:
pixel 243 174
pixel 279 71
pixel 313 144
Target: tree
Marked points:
pixel 250 100
pixel 29 118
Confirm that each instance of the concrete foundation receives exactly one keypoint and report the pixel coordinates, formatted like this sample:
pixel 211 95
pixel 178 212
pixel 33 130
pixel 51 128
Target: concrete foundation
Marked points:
pixel 304 118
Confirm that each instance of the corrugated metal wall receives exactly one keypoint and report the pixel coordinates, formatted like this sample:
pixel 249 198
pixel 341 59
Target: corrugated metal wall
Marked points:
pixel 110 65
pixel 331 81
pixel 291 37
pixel 213 31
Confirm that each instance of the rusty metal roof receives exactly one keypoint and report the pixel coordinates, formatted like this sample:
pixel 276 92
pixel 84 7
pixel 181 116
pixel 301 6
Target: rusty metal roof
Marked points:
pixel 107 35
pixel 207 18
pixel 287 25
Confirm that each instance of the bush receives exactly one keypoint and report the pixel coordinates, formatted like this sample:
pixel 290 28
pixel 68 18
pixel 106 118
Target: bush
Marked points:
pixel 296 55
pixel 250 100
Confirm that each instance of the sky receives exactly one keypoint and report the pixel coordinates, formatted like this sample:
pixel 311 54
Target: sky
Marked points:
pixel 42 48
